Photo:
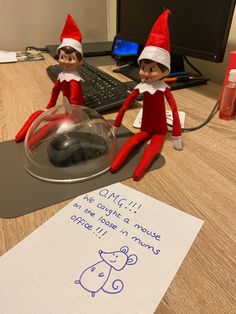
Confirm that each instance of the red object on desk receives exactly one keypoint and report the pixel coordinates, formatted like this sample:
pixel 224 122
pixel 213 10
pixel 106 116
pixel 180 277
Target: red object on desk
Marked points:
pixel 231 65
pixel 227 106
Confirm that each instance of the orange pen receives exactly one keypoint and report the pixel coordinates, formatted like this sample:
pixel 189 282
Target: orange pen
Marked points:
pixel 177 79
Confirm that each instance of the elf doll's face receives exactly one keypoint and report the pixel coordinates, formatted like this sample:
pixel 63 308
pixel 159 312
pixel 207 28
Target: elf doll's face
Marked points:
pixel 69 61
pixel 150 72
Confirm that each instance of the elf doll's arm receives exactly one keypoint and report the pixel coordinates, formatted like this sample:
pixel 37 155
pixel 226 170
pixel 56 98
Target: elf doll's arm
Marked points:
pixel 20 136
pixel 129 100
pixel 76 93
pixel 176 128
pixel 55 92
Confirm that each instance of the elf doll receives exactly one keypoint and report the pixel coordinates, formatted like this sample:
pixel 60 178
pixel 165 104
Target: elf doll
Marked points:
pixel 70 57
pixel 154 66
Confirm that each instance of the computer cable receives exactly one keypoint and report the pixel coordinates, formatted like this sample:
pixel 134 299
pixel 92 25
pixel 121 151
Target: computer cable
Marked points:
pixel 192 66
pixel 211 115
pixel 29 48
pixel 31 54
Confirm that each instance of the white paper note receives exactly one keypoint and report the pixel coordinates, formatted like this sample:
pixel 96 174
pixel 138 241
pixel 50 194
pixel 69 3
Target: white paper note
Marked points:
pixel 113 250
pixel 7 56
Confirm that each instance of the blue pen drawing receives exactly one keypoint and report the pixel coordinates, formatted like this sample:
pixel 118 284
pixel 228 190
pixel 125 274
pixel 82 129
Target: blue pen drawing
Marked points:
pixel 94 278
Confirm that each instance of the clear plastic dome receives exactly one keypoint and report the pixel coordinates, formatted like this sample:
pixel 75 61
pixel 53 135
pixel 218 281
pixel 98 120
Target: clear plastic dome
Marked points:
pixel 68 144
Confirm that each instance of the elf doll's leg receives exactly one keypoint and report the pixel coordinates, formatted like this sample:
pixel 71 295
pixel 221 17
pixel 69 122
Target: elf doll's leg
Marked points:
pixel 127 148
pixel 44 131
pixel 149 154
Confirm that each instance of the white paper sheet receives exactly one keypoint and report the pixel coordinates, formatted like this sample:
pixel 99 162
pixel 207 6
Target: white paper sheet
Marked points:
pixel 113 250
pixel 7 56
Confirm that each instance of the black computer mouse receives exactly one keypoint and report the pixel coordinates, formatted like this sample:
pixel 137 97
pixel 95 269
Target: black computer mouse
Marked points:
pixel 75 147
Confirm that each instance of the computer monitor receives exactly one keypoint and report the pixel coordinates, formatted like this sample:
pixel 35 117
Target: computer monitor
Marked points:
pixel 197 28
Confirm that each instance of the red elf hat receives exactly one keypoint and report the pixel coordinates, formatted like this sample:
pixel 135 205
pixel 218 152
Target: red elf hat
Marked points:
pixel 157 47
pixel 71 35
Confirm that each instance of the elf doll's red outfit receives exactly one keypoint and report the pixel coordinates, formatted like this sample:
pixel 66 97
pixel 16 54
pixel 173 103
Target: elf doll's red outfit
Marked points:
pixel 154 123
pixel 68 80
pixel 69 84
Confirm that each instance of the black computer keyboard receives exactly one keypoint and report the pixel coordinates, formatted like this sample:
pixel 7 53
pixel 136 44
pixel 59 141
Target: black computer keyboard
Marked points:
pixel 102 92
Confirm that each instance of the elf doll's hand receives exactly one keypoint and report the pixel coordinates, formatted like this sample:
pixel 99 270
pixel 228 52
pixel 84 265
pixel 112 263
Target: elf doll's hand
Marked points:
pixel 114 129
pixel 177 142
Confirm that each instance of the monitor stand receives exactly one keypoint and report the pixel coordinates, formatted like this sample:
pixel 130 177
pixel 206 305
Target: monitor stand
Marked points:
pixel 131 70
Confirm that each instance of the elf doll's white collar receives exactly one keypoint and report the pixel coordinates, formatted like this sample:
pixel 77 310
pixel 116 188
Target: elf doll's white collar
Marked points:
pixel 152 87
pixel 69 76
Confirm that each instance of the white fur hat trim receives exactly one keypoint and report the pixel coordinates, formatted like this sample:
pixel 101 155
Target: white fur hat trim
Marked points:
pixel 71 43
pixel 156 54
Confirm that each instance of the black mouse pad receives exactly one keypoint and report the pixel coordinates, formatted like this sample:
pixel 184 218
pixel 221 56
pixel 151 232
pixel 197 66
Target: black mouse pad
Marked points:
pixel 21 193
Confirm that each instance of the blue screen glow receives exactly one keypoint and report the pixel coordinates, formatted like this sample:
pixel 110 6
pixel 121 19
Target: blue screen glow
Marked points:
pixel 125 47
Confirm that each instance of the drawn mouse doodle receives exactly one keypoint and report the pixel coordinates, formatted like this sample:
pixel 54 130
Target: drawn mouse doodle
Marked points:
pixel 94 278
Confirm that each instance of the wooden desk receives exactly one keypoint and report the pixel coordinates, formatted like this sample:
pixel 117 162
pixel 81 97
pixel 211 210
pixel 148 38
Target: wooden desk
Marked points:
pixel 200 180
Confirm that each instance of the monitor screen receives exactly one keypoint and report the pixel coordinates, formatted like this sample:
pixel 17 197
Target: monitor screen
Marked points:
pixel 124 47
pixel 197 28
